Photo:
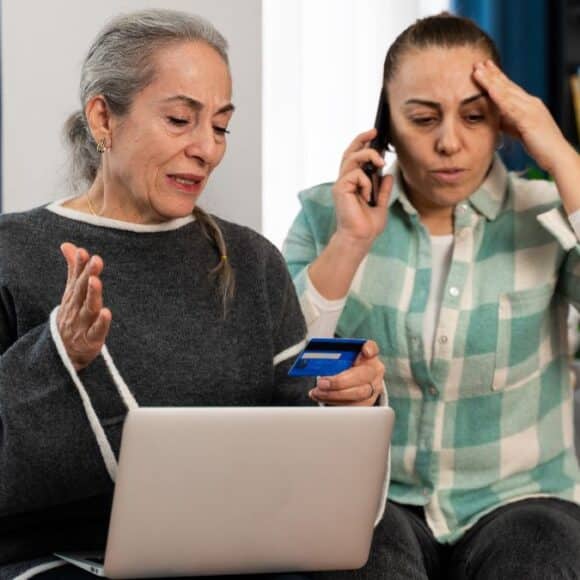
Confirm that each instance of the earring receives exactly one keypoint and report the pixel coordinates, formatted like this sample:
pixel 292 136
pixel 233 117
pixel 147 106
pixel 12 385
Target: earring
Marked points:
pixel 102 146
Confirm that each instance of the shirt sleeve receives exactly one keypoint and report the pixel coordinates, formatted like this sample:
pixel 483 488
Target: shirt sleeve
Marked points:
pixel 574 219
pixel 42 413
pixel 565 229
pixel 306 239
pixel 327 311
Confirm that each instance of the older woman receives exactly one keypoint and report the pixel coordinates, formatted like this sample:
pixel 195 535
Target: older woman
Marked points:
pixel 463 274
pixel 151 312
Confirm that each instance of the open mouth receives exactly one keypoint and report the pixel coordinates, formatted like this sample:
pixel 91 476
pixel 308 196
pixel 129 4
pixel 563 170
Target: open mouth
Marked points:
pixel 188 183
pixel 186 180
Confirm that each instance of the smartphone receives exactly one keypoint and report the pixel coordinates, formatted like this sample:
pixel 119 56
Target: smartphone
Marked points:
pixel 379 143
pixel 324 357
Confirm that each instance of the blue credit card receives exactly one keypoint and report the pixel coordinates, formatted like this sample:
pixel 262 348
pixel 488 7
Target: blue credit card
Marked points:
pixel 324 357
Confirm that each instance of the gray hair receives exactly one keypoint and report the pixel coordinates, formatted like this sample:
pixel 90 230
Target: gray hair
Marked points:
pixel 119 65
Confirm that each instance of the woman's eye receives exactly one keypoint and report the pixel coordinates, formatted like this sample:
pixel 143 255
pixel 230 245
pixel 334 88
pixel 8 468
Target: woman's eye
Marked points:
pixel 474 118
pixel 177 121
pixel 221 130
pixel 423 121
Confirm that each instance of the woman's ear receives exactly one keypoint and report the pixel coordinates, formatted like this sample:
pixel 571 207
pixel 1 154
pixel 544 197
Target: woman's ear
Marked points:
pixel 98 117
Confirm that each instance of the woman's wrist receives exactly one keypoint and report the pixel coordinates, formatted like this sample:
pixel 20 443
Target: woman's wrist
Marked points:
pixel 566 174
pixel 351 247
pixel 563 159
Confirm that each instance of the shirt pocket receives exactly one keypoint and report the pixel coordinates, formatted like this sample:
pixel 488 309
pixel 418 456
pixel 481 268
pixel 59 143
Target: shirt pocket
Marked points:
pixel 523 319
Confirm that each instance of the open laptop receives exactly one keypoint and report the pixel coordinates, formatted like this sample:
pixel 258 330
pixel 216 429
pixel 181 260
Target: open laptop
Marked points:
pixel 208 491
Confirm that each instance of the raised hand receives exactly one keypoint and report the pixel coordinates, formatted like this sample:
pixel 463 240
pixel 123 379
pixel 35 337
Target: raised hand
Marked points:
pixel 523 116
pixel 82 321
pixel 356 220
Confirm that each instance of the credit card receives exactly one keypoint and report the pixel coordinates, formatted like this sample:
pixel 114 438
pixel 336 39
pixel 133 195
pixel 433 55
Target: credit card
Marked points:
pixel 324 357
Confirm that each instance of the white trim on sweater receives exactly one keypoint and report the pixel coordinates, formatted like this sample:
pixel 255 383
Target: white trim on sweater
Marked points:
pixel 122 388
pixel 289 352
pixel 102 441
pixel 79 216
pixel 31 572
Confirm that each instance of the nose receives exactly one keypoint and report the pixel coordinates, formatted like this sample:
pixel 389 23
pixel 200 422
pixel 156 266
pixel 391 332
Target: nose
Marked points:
pixel 448 138
pixel 202 144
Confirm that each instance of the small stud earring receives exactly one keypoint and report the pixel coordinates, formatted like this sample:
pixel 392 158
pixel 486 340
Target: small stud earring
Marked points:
pixel 101 146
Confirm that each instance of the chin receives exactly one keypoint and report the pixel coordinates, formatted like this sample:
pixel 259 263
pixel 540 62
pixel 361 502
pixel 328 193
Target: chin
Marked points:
pixel 176 208
pixel 450 197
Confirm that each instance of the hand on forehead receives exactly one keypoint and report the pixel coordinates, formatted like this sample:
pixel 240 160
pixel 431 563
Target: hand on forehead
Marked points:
pixel 439 75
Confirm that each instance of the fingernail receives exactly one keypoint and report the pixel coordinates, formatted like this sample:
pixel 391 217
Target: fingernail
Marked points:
pixel 310 393
pixel 323 384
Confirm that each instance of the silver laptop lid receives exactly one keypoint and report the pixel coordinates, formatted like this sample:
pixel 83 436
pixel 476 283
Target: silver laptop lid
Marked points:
pixel 204 491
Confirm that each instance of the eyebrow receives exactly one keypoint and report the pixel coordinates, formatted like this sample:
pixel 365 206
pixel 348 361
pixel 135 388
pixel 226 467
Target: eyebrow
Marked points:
pixel 198 105
pixel 435 105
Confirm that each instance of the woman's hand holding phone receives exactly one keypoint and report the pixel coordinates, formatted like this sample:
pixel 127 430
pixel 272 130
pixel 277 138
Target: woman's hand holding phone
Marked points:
pixel 358 222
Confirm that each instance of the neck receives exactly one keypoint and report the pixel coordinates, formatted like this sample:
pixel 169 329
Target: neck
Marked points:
pixel 438 220
pixel 438 225
pixel 98 202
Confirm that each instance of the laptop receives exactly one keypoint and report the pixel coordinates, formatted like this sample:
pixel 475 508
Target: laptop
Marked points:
pixel 212 491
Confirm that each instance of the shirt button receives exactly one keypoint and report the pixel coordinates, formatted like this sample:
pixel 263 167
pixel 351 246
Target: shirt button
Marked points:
pixel 432 391
pixel 454 291
pixel 425 492
pixel 462 207
pixel 443 339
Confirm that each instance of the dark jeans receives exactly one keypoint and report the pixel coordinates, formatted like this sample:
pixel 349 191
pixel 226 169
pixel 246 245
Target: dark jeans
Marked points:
pixel 534 539
pixel 73 573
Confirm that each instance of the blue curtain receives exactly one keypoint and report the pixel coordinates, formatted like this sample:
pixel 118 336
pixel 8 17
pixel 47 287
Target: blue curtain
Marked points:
pixel 520 30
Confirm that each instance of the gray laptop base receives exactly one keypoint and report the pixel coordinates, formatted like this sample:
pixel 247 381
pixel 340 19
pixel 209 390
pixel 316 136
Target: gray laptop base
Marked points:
pixel 211 491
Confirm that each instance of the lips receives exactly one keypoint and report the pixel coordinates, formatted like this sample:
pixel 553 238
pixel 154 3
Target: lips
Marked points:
pixel 186 178
pixel 186 182
pixel 448 174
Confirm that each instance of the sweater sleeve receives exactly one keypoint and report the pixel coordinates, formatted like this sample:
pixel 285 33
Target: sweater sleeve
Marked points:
pixel 49 450
pixel 288 333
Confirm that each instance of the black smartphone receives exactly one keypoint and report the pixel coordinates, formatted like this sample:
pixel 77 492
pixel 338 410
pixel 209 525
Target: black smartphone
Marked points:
pixel 379 143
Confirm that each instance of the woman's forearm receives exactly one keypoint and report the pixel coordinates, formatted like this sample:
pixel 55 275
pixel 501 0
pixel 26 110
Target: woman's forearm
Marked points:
pixel 333 271
pixel 566 173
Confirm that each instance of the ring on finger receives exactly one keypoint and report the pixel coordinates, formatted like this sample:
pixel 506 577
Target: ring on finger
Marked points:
pixel 373 391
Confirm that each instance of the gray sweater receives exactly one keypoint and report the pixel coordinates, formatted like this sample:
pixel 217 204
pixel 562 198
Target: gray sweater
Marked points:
pixel 168 340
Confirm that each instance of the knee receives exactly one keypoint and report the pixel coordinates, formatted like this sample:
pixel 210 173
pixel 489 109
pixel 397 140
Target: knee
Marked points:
pixel 530 540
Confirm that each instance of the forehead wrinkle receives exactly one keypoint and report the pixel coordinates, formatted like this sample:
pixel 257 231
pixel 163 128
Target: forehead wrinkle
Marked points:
pixel 438 75
pixel 196 105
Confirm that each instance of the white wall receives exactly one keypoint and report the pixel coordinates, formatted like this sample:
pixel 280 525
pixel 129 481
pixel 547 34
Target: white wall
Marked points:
pixel 306 80
pixel 323 64
pixel 43 45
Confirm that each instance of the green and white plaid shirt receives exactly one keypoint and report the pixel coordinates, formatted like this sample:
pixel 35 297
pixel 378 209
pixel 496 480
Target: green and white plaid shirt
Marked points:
pixel 490 420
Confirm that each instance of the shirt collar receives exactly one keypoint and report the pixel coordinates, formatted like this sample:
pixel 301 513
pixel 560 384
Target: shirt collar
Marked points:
pixel 487 199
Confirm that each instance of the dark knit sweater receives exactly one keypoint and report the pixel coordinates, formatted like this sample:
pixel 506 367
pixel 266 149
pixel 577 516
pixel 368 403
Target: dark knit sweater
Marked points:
pixel 168 339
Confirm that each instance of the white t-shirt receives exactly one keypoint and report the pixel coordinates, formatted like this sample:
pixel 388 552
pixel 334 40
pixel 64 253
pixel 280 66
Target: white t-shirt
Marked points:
pixel 441 251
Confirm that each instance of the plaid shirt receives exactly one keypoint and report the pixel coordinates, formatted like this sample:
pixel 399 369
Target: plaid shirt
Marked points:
pixel 490 420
